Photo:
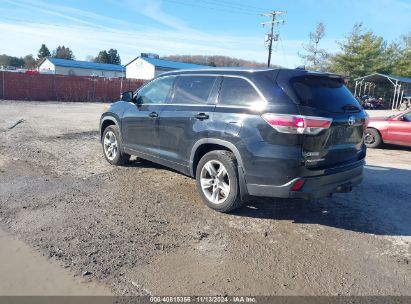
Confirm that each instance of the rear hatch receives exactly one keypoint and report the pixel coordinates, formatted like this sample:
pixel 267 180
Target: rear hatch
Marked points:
pixel 326 96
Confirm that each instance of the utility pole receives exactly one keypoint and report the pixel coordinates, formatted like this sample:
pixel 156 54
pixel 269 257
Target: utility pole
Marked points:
pixel 270 37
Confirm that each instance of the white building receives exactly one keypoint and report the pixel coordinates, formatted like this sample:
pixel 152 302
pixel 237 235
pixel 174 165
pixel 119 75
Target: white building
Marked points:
pixel 80 68
pixel 147 66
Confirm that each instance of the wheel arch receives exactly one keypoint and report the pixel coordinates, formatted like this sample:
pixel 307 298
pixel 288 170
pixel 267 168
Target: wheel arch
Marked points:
pixel 106 121
pixel 197 152
pixel 206 145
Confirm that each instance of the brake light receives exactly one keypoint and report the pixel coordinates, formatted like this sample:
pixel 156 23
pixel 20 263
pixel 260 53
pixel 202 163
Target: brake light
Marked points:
pixel 297 124
pixel 298 185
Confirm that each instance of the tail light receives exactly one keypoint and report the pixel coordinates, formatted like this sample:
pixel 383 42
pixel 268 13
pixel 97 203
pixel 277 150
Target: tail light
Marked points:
pixel 298 185
pixel 297 124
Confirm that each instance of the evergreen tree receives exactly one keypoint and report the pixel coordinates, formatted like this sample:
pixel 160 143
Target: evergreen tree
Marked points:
pixel 6 60
pixel 362 53
pixel 403 64
pixel 111 56
pixel 43 52
pixel 102 57
pixel 114 56
pixel 63 52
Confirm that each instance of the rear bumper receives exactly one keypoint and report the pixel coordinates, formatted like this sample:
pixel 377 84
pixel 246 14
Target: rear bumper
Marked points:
pixel 314 187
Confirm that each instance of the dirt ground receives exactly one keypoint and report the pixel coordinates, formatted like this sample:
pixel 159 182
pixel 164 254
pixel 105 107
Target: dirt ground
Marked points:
pixel 142 229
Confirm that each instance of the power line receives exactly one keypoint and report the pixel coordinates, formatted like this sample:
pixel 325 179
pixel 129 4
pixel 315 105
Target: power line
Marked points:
pixel 272 36
pixel 214 8
pixel 234 5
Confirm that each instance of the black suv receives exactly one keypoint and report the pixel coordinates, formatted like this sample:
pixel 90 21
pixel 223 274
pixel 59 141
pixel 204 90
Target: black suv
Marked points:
pixel 243 132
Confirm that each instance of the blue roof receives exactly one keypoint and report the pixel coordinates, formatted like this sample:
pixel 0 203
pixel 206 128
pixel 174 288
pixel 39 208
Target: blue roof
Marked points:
pixel 86 65
pixel 377 77
pixel 401 78
pixel 168 64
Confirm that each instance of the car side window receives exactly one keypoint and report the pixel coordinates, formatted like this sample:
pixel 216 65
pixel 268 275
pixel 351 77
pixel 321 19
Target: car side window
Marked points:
pixel 193 89
pixel 237 91
pixel 156 92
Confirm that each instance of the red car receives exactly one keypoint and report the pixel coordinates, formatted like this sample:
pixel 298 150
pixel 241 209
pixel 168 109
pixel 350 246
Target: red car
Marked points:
pixel 394 129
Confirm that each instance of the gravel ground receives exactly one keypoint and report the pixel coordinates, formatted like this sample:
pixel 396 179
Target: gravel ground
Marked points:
pixel 142 229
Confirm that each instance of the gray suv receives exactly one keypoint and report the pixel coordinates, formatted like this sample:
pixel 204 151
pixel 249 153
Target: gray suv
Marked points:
pixel 243 133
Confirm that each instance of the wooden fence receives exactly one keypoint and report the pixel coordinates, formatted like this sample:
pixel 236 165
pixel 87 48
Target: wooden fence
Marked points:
pixel 43 87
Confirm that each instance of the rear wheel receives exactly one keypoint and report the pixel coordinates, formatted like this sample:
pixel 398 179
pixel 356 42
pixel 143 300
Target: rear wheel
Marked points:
pixel 217 181
pixel 112 147
pixel 372 138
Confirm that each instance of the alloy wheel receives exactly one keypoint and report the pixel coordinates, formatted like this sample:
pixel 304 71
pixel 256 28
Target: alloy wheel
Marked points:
pixel 369 139
pixel 215 182
pixel 110 145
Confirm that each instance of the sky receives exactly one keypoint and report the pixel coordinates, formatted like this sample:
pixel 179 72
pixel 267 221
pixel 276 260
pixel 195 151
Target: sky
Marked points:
pixel 190 27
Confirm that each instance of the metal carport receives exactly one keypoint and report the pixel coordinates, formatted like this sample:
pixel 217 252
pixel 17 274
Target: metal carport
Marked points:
pixel 397 83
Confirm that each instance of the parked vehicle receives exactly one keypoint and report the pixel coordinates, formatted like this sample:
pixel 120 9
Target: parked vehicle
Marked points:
pixel 243 133
pixel 395 129
pixel 406 103
pixel 371 103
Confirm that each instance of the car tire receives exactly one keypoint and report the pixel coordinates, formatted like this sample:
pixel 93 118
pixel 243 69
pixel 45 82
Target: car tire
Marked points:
pixel 372 138
pixel 112 148
pixel 217 181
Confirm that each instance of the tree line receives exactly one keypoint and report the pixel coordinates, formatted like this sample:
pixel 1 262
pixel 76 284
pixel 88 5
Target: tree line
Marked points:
pixel 214 61
pixel 29 62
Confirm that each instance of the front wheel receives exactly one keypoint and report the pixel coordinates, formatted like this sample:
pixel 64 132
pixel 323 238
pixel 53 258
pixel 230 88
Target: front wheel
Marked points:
pixel 372 138
pixel 217 181
pixel 112 147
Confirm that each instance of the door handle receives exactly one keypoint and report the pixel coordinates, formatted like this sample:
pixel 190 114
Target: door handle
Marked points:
pixel 202 116
pixel 153 115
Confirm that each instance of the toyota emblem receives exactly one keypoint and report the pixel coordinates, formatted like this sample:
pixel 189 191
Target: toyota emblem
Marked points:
pixel 351 120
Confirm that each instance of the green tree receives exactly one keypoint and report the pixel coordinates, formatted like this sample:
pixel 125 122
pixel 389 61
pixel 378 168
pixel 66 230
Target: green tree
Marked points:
pixel 29 62
pixel 102 57
pixel 314 56
pixel 114 56
pixel 6 60
pixel 111 56
pixel 362 53
pixel 63 52
pixel 43 52
pixel 403 63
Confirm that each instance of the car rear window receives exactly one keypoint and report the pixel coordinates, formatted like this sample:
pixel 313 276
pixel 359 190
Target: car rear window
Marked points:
pixel 325 93
pixel 238 92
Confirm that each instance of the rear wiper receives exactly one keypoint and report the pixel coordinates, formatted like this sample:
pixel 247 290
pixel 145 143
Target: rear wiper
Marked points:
pixel 350 107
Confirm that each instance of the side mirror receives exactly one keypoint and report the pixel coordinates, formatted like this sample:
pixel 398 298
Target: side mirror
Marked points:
pixel 127 96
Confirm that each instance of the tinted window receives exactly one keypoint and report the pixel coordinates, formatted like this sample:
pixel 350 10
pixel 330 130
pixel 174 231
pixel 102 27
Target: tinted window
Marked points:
pixel 193 89
pixel 325 93
pixel 156 91
pixel 237 91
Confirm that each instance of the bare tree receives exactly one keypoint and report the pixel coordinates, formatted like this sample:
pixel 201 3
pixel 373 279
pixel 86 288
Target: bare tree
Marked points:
pixel 314 56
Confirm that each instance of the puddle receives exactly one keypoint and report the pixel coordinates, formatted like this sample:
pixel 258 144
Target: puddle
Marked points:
pixel 28 273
